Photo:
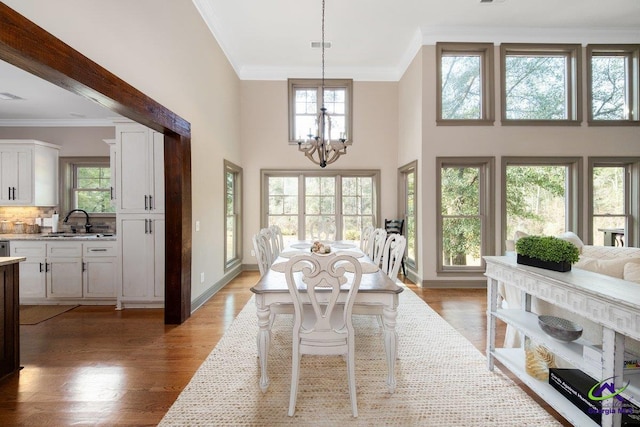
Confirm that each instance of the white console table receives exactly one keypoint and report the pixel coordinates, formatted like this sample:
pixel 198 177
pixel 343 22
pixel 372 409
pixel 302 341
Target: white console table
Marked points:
pixel 612 303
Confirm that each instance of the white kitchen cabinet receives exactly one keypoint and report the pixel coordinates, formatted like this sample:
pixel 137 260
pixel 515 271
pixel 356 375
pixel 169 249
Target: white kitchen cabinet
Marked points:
pixel 141 254
pixel 140 169
pixel 28 173
pixel 69 270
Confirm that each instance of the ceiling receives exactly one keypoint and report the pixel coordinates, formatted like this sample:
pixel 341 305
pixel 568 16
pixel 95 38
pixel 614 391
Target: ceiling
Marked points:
pixel 377 39
pixel 371 40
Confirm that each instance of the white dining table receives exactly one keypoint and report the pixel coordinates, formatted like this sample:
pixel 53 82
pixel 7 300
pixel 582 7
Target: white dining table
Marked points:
pixel 377 295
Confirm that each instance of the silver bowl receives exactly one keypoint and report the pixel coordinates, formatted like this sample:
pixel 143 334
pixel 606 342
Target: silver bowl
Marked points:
pixel 560 329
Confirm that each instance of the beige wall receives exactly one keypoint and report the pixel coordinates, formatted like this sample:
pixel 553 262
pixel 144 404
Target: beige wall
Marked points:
pixel 167 52
pixel 265 142
pixel 74 141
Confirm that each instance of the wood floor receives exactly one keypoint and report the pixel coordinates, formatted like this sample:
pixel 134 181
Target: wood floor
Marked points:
pixel 98 366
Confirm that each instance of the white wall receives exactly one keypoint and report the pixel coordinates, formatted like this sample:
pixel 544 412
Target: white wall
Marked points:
pixel 165 50
pixel 265 144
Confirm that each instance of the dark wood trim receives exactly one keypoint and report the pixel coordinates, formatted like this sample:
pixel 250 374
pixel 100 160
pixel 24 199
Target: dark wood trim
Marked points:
pixel 31 48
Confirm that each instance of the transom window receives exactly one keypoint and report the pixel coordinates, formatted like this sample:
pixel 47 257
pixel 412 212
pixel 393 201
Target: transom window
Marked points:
pixel 613 84
pixel 305 101
pixel 465 83
pixel 320 205
pixel 540 84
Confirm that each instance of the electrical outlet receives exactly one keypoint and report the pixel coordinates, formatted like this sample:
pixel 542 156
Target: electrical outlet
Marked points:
pixel 202 277
pixel 197 225
pixel 253 252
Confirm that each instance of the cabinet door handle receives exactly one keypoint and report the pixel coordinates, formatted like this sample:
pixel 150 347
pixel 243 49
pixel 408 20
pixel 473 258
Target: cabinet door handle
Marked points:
pixel 146 202
pixel 150 229
pixel 150 202
pixel 84 266
pixel 46 267
pixel 146 226
pixel 40 267
pixel 98 250
pixel 111 193
pixel 14 193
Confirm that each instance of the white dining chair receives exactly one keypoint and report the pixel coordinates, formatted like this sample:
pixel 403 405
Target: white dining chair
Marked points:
pixel 365 237
pixel 277 244
pixel 376 245
pixel 322 326
pixel 323 230
pixel 392 255
pixel 261 249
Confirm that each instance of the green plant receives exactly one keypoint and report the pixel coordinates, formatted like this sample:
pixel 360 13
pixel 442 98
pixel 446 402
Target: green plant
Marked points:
pixel 547 248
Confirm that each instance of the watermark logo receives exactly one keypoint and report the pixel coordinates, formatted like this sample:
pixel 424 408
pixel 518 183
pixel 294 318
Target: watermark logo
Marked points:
pixel 597 392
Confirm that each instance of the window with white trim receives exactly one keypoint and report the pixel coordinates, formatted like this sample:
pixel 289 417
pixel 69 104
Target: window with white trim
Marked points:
pixel 233 214
pixel 86 184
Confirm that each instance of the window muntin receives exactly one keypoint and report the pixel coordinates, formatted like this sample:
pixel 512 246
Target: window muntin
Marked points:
pixel 298 202
pixel 463 214
pixel 409 204
pixel 540 84
pixel 233 214
pixel 613 84
pixel 305 101
pixel 465 83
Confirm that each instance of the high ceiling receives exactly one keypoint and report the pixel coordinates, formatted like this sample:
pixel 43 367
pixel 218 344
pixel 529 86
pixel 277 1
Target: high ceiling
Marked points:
pixel 371 40
pixel 376 39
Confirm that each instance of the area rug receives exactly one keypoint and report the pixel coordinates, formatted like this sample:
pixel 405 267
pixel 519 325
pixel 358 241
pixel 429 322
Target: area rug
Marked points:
pixel 442 380
pixel 34 314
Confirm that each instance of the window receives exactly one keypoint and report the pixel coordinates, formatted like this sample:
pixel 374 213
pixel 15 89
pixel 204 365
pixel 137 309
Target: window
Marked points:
pixel 540 84
pixel 464 213
pixel 301 202
pixel 305 101
pixel 613 182
pixel 86 184
pixel 233 214
pixel 465 83
pixel 613 84
pixel 541 195
pixel 408 209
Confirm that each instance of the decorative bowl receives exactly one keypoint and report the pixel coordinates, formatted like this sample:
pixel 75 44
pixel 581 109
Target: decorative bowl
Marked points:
pixel 559 328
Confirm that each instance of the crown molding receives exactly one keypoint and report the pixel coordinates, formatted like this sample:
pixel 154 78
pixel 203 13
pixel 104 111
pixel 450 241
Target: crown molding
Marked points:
pixel 58 122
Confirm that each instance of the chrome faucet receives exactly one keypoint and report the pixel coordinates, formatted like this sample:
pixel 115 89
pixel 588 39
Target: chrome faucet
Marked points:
pixel 87 225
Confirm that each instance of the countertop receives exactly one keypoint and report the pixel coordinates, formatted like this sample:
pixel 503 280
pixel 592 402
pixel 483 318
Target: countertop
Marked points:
pixel 6 260
pixel 60 236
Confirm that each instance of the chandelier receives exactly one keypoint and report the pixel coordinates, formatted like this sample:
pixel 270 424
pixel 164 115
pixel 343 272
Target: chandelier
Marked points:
pixel 320 148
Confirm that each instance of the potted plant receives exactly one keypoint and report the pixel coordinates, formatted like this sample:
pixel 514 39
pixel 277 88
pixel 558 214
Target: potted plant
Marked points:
pixel 547 252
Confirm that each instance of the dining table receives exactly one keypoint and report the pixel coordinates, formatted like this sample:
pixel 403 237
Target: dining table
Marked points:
pixel 377 295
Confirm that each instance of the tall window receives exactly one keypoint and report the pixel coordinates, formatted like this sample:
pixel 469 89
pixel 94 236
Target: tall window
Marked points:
pixel 408 209
pixel 302 203
pixel 233 214
pixel 86 184
pixel 612 188
pixel 464 213
pixel 540 84
pixel 306 99
pixel 541 195
pixel 613 84
pixel 465 83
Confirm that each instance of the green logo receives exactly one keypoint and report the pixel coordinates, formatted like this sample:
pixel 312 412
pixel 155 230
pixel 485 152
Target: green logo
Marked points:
pixel 596 392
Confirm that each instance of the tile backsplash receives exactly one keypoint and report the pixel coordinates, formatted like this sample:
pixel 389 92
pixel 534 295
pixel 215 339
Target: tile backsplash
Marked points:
pixel 28 216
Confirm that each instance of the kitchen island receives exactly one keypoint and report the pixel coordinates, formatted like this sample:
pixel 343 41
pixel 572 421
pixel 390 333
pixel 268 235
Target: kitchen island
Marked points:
pixel 10 330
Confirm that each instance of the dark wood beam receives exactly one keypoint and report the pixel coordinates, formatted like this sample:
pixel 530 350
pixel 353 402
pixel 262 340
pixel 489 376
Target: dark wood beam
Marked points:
pixel 31 48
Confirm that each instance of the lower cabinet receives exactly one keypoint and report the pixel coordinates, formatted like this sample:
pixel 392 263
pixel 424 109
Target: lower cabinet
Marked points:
pixel 141 239
pixel 66 270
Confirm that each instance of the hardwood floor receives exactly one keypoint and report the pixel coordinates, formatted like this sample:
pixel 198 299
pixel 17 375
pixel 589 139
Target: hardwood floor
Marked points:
pixel 97 366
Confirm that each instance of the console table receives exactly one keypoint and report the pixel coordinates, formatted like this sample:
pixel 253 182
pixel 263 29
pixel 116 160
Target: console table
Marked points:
pixel 611 303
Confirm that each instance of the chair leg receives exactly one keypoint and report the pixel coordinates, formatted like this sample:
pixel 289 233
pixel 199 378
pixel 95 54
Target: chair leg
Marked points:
pixel 295 375
pixel 351 376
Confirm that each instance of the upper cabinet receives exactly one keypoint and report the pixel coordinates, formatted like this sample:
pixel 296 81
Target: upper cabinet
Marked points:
pixel 28 173
pixel 140 169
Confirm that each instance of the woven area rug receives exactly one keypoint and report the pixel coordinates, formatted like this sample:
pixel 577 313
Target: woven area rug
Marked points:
pixel 442 380
pixel 34 314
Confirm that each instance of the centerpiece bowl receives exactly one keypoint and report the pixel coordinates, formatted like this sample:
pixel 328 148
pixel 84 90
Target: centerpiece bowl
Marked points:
pixel 559 328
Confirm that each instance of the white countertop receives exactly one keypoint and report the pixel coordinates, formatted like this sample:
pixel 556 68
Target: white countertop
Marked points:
pixel 60 236
pixel 6 260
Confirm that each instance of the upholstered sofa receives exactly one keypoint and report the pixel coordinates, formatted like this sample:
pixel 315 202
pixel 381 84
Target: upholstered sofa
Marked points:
pixel 620 262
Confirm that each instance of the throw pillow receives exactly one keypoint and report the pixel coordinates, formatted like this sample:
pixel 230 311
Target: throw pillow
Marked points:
pixel 632 272
pixel 572 237
pixel 610 267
